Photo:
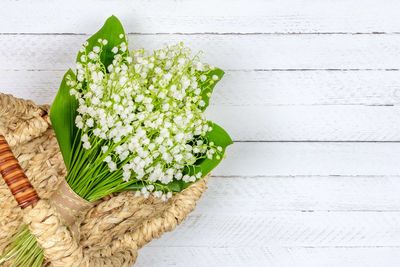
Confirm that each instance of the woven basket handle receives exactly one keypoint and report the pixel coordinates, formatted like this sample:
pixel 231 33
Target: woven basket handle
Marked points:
pixel 15 178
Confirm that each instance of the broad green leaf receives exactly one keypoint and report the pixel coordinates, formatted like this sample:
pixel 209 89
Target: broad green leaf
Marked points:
pixel 134 187
pixel 207 86
pixel 111 31
pixel 174 186
pixel 177 185
pixel 62 116
pixel 220 138
pixel 218 135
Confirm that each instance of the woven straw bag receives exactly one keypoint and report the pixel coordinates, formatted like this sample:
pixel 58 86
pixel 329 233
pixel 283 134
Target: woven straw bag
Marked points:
pixel 111 232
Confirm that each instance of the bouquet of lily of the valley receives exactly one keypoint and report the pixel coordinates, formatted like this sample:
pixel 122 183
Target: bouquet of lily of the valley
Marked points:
pixel 128 120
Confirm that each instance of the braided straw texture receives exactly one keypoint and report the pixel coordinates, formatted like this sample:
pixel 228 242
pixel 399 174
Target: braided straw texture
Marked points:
pixel 111 233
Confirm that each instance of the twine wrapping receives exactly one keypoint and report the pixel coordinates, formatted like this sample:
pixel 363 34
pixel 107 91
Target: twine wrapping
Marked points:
pixel 111 232
pixel 70 207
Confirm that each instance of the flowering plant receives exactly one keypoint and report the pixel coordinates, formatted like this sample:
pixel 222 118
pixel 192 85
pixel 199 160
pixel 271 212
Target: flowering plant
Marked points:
pixel 131 120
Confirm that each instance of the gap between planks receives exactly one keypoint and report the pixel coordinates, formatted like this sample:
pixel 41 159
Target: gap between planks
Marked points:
pixel 227 52
pixel 203 16
pixel 263 88
pixel 238 70
pixel 207 33
pixel 275 256
pixel 253 159
pixel 301 193
pixel 233 228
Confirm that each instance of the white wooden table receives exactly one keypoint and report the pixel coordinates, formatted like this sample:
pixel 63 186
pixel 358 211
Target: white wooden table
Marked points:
pixel 311 98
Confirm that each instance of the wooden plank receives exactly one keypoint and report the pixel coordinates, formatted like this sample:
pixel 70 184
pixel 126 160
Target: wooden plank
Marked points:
pixel 267 123
pixel 288 159
pixel 237 52
pixel 300 193
pixel 285 16
pixel 294 210
pixel 278 88
pixel 251 88
pixel 305 229
pixel 39 86
pixel 271 256
pixel 309 123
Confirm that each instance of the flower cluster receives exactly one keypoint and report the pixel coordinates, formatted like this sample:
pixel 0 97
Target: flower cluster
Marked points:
pixel 145 111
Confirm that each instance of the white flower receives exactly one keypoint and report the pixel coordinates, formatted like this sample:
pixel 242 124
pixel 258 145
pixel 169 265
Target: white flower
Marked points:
pixel 139 98
pixel 157 194
pixel 126 175
pixel 90 122
pixel 86 145
pixel 123 47
pixel 150 188
pixel 79 122
pixel 92 55
pixel 96 49
pixel 144 113
pixel 107 159
pixel 85 138
pixel 112 165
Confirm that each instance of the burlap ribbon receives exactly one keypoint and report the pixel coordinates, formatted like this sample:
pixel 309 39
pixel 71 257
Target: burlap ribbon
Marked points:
pixel 70 207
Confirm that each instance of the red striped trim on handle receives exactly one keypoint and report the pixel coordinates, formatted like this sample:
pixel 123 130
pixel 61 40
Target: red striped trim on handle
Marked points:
pixel 15 178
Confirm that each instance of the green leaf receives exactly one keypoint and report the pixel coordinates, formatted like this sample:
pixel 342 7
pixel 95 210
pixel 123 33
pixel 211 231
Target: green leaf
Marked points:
pixel 134 187
pixel 174 186
pixel 62 116
pixel 177 185
pixel 111 31
pixel 220 138
pixel 207 86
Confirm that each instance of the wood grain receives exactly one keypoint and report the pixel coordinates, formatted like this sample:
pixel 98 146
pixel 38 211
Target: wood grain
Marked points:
pixel 251 88
pixel 238 16
pixel 269 256
pixel 285 229
pixel 300 193
pixel 332 116
pixel 297 70
pixel 230 52
pixel 310 158
pixel 309 123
